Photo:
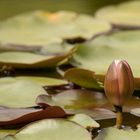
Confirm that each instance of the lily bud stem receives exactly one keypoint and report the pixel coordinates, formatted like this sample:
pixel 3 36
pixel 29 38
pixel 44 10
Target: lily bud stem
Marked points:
pixel 119 117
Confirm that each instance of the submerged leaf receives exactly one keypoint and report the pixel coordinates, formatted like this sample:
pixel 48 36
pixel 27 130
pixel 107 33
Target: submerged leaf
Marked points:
pixel 52 129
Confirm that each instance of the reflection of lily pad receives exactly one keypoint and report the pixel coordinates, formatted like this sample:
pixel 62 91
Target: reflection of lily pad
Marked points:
pixel 41 28
pixel 52 129
pixel 19 93
pixel 99 53
pixel 125 14
pixel 113 133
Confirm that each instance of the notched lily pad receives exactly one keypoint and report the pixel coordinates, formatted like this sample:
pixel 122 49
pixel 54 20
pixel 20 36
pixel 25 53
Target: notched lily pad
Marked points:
pixel 52 129
pixel 126 15
pixel 84 78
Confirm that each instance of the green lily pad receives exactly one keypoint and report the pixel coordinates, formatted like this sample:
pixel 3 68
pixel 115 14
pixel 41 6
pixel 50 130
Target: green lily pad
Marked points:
pixel 113 133
pixel 84 78
pixel 52 129
pixel 99 53
pixel 40 28
pixel 31 60
pixel 125 14
pixel 19 93
pixel 43 81
pixel 84 120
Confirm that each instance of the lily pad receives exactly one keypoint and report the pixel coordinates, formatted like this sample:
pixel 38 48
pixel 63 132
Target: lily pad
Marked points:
pixel 31 60
pixel 84 120
pixel 113 133
pixel 43 81
pixel 99 53
pixel 75 99
pixel 19 93
pixel 15 116
pixel 52 129
pixel 84 78
pixel 78 102
pixel 125 14
pixel 40 28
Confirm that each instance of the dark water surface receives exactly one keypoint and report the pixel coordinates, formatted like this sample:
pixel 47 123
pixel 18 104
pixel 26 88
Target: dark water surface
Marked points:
pixel 12 7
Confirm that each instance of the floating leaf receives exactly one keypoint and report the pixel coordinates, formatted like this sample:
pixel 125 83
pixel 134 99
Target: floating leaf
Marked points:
pixel 125 14
pixel 79 102
pixel 40 28
pixel 19 93
pixel 113 133
pixel 99 53
pixel 43 81
pixel 52 129
pixel 13 116
pixel 76 99
pixel 31 60
pixel 82 77
pixel 84 120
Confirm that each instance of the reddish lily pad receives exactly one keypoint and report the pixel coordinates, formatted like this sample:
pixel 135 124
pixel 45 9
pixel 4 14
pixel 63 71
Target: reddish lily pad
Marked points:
pixel 13 116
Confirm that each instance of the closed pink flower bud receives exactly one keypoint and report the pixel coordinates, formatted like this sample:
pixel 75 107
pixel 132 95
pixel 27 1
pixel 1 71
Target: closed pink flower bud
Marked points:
pixel 119 82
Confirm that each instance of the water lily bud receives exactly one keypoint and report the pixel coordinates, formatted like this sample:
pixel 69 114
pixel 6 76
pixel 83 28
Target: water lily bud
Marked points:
pixel 119 82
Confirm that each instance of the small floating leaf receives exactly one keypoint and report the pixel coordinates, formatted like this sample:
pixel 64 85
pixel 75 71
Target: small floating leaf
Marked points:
pixel 84 78
pixel 84 120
